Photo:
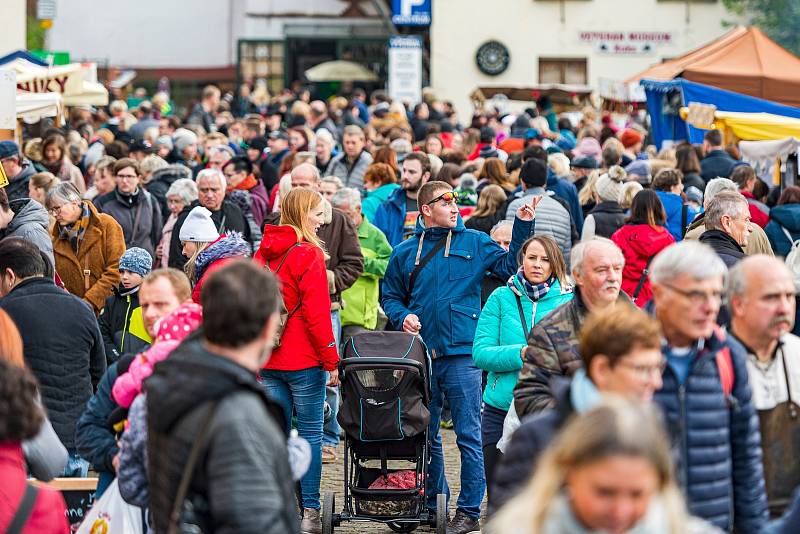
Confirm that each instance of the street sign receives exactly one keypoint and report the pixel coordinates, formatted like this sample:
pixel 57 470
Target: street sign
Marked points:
pixel 411 12
pixel 46 9
pixel 405 68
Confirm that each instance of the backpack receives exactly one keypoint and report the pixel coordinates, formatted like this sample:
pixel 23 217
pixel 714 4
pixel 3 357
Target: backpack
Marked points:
pixel 793 258
pixel 285 314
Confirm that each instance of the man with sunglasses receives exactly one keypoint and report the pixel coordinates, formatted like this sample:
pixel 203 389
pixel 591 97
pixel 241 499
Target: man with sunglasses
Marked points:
pixel 706 396
pixel 432 288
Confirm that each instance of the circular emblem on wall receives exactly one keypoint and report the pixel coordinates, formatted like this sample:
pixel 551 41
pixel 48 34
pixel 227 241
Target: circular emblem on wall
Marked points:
pixel 492 58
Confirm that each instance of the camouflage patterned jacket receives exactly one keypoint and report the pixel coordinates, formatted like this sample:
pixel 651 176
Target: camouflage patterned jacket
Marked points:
pixel 552 350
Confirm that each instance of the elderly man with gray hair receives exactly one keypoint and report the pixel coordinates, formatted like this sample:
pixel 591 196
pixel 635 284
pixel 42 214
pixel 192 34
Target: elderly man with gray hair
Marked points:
pixel 761 301
pixel 706 396
pixel 757 243
pixel 553 342
pixel 727 221
pixel 360 301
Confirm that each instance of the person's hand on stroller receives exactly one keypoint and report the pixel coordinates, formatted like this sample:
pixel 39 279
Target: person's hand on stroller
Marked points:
pixel 411 324
pixel 333 381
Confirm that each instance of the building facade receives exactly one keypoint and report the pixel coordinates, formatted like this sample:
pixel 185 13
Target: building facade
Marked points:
pixel 582 42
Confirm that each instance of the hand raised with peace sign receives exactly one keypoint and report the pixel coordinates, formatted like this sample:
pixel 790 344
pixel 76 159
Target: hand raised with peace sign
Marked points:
pixel 527 212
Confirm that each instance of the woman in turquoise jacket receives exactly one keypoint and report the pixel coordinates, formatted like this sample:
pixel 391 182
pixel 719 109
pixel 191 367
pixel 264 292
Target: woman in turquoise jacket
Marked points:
pixel 539 286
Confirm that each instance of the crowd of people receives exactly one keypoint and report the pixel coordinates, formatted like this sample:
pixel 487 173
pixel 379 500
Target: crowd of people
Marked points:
pixel 611 328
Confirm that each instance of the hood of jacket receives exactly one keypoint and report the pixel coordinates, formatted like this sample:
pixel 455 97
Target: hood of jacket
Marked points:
pixel 170 173
pixel 644 240
pixel 28 211
pixel 230 245
pixel 722 243
pixel 191 376
pixel 787 215
pixel 276 241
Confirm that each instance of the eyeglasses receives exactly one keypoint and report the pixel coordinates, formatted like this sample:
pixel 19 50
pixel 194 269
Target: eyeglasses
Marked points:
pixel 55 209
pixel 128 176
pixel 645 371
pixel 449 197
pixel 697 297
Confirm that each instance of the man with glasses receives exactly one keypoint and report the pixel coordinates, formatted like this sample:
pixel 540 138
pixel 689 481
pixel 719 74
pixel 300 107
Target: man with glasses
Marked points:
pixel 727 221
pixel 621 355
pixel 432 287
pixel 397 217
pixel 706 396
pixel 136 210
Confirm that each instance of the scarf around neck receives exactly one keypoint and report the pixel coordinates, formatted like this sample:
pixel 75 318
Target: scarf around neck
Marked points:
pixel 74 232
pixel 245 185
pixel 535 292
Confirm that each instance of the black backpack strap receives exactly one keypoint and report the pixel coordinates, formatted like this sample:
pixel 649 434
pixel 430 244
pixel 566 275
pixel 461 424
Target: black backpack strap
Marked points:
pixel 422 263
pixel 522 316
pixel 285 255
pixel 645 273
pixel 23 510
pixel 684 222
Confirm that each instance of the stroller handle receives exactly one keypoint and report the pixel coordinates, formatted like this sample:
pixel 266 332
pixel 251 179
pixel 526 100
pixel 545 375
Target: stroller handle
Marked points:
pixel 385 363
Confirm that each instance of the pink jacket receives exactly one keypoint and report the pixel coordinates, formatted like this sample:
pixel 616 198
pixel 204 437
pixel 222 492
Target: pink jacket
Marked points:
pixel 172 329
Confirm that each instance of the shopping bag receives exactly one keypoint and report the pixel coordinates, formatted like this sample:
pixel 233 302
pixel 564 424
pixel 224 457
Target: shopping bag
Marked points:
pixel 111 514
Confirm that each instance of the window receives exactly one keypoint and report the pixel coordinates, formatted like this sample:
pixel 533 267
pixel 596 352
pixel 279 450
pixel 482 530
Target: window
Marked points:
pixel 262 60
pixel 572 71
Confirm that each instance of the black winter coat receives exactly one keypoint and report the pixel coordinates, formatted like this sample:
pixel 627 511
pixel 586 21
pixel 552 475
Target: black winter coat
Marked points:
pixel 139 215
pixel 244 474
pixel 162 180
pixel 719 467
pixel 95 440
pixel 716 164
pixel 63 348
pixel 608 218
pixel 115 320
pixel 724 245
pixel 230 214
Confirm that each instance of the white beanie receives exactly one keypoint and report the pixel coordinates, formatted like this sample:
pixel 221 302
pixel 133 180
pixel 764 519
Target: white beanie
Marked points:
pixel 198 227
pixel 183 138
pixel 609 185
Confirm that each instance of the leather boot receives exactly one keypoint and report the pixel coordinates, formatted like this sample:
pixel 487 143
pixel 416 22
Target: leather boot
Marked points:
pixel 311 523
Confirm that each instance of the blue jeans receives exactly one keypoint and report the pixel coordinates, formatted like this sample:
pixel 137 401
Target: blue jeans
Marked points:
pixel 304 392
pixel 332 430
pixel 76 466
pixel 457 379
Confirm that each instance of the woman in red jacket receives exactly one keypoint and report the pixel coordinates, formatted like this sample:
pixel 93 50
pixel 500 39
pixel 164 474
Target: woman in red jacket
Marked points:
pixel 642 237
pixel 22 420
pixel 295 373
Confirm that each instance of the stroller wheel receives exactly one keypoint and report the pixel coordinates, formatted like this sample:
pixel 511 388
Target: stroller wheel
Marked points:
pixel 402 527
pixel 328 504
pixel 441 514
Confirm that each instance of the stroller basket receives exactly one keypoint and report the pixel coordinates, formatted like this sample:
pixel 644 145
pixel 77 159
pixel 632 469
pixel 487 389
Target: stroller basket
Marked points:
pixel 384 502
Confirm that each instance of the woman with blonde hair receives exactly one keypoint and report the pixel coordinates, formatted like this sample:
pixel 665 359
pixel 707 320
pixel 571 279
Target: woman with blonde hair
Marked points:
pixel 608 470
pixel 488 211
pixel 588 196
pixel 295 374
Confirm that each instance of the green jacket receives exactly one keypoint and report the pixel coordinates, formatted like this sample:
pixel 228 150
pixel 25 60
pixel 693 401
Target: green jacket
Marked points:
pixel 499 338
pixel 361 299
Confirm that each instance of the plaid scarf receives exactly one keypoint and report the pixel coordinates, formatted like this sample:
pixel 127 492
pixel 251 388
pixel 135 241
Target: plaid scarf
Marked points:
pixel 75 231
pixel 535 292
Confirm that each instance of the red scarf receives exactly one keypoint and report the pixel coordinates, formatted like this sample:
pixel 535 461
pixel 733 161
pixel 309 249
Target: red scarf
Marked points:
pixel 245 185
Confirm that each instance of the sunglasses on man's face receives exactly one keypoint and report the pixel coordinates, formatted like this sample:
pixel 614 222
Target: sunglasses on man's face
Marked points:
pixel 448 198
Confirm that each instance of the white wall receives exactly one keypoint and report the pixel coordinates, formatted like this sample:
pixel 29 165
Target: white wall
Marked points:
pixel 12 38
pixel 533 28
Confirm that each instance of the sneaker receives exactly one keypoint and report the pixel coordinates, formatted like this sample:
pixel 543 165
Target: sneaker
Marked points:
pixel 311 523
pixel 462 524
pixel 328 454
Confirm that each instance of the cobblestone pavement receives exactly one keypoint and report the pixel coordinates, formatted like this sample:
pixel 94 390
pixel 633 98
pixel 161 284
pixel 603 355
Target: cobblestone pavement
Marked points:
pixel 333 477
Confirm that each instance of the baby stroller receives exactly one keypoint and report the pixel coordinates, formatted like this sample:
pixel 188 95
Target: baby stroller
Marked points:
pixel 385 387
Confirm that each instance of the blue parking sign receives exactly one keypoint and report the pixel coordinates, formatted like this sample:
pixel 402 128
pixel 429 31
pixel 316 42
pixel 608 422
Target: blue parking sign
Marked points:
pixel 411 12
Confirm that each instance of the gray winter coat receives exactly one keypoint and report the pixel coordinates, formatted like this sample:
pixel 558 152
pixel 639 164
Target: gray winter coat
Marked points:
pixel 31 223
pixel 351 176
pixel 138 215
pixel 551 218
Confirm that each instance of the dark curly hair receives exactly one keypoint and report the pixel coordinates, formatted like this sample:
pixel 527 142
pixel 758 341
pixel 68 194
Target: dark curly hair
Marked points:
pixel 20 414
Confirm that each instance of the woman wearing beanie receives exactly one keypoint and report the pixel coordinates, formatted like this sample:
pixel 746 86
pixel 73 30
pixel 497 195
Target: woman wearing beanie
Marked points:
pixel 539 286
pixel 607 216
pixel 206 249
pixel 121 323
pixel 295 374
pixel 642 237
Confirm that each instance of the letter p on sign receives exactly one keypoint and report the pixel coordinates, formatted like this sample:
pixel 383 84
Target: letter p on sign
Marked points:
pixel 406 6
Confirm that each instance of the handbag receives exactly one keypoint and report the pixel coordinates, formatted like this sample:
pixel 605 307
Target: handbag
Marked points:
pixel 187 516
pixel 111 513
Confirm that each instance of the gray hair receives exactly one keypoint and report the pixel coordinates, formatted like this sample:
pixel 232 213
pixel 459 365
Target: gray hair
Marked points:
pixel 724 203
pixel 717 186
pixel 353 130
pixel 579 251
pixel 690 257
pixel 63 192
pixel 737 275
pixel 221 148
pixel 347 196
pixel 212 173
pixel 185 188
pixel 151 164
pixel 501 224
pixel 331 179
pixel 325 136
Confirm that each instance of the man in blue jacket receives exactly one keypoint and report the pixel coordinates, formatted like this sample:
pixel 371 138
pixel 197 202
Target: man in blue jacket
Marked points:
pixel 441 302
pixel 717 163
pixel 706 396
pixel 397 217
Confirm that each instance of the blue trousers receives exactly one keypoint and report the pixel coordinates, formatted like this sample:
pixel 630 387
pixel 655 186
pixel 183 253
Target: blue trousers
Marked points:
pixel 331 430
pixel 457 379
pixel 304 392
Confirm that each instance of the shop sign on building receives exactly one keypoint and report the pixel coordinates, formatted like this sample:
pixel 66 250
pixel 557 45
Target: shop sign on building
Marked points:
pixel 405 68
pixel 626 42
